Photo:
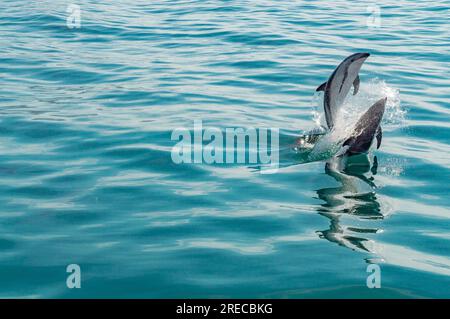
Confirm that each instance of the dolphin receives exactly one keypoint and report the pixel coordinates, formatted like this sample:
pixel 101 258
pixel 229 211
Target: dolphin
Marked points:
pixel 365 131
pixel 339 84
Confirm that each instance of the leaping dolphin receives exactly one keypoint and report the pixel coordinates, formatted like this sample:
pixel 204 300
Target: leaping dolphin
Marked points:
pixel 339 84
pixel 366 130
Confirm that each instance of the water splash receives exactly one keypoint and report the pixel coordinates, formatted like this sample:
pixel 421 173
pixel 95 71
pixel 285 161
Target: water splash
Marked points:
pixel 353 108
pixel 375 89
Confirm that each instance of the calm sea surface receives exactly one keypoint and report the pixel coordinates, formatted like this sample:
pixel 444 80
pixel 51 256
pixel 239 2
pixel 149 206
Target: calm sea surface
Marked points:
pixel 86 175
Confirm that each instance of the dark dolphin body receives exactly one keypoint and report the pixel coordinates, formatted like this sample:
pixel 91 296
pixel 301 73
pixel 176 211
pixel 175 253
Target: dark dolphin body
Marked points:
pixel 339 84
pixel 366 130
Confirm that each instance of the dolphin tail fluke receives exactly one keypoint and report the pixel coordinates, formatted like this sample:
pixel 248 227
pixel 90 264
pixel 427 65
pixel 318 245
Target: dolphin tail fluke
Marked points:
pixel 321 87
pixel 356 85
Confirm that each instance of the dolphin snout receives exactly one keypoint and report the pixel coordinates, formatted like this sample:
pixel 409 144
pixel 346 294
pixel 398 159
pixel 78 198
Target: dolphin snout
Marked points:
pixel 363 55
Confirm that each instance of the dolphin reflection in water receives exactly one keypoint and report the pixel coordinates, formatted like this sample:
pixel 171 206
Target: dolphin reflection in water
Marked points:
pixel 354 197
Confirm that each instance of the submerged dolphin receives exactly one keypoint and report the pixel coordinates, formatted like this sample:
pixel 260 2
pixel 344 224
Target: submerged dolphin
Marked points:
pixel 339 84
pixel 366 130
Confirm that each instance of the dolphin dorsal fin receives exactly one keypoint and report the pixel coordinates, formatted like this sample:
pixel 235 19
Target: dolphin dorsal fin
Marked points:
pixel 322 87
pixel 356 85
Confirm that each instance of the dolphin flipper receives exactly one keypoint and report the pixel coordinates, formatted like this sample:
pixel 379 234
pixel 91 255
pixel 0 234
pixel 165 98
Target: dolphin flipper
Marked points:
pixel 321 87
pixel 356 85
pixel 379 136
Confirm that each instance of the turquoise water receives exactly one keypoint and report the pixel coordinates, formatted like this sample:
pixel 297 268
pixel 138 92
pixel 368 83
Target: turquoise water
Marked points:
pixel 86 174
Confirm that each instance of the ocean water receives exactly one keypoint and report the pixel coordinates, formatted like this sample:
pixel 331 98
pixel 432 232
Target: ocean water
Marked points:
pixel 87 177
